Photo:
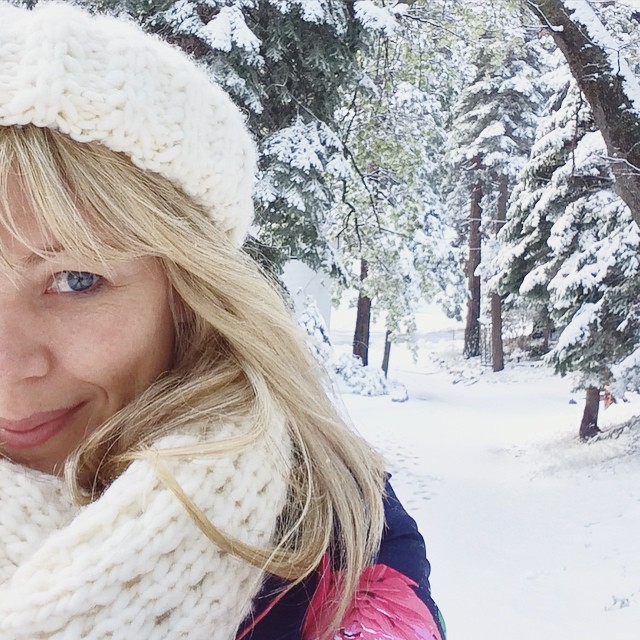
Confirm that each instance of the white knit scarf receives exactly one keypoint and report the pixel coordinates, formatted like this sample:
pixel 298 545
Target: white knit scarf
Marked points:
pixel 133 565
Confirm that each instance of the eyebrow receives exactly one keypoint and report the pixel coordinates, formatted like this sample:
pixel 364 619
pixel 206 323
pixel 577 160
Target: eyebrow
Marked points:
pixel 34 258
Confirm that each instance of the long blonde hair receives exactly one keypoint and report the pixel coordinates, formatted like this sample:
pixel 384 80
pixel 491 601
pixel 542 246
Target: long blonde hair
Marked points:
pixel 238 353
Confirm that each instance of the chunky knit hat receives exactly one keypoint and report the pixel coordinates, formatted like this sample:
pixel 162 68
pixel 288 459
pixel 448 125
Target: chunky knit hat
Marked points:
pixel 102 79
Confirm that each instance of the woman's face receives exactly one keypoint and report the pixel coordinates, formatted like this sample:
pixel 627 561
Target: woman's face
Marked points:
pixel 76 343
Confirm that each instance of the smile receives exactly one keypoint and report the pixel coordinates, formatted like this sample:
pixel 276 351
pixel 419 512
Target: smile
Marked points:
pixel 25 435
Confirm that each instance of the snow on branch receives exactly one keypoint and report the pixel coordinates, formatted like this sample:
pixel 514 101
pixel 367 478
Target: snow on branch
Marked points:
pixel 228 29
pixel 376 18
pixel 608 83
pixel 585 16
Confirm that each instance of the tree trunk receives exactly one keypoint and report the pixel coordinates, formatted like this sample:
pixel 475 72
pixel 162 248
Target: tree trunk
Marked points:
pixel 472 328
pixel 546 343
pixel 497 347
pixel 589 424
pixel 497 351
pixel 363 320
pixel 607 82
pixel 387 353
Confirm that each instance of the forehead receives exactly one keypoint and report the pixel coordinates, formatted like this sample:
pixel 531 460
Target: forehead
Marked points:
pixel 26 241
pixel 20 227
pixel 59 199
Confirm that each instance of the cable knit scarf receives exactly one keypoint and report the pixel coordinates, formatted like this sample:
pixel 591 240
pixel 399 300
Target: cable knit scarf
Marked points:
pixel 132 564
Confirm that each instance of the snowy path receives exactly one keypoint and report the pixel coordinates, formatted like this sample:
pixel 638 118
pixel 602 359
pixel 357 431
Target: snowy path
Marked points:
pixel 532 535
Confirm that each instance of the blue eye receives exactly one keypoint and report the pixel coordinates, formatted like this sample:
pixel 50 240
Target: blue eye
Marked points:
pixel 75 281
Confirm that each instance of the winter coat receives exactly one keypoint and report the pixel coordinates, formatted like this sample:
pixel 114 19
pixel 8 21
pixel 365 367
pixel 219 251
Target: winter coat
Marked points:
pixel 393 601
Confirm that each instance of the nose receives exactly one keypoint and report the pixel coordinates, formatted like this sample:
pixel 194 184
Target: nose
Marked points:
pixel 24 351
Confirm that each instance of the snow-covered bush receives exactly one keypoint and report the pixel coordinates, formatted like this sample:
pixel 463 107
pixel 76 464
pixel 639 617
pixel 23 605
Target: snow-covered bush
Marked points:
pixel 311 320
pixel 355 378
pixel 346 370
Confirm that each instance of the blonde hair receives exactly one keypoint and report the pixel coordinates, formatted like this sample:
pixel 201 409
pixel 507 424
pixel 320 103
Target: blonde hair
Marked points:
pixel 238 353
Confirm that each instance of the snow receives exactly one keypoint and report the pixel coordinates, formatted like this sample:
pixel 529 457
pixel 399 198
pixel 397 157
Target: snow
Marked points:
pixel 586 17
pixel 311 10
pixel 537 277
pixel 517 84
pixel 531 534
pixel 376 18
pixel 298 145
pixel 578 328
pixel 228 29
pixel 494 130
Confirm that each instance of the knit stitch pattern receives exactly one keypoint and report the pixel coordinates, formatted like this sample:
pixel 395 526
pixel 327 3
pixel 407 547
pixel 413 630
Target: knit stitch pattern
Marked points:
pixel 133 564
pixel 102 79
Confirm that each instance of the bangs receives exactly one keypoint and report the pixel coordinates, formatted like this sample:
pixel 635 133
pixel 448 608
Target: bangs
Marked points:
pixel 74 193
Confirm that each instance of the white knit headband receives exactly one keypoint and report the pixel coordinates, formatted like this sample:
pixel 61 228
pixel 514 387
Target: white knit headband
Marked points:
pixel 102 79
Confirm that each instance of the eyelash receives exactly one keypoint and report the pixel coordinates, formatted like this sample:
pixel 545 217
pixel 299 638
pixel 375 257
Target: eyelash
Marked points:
pixel 100 282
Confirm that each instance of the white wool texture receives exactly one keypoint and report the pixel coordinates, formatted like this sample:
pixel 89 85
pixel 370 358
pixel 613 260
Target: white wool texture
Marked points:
pixel 133 564
pixel 102 79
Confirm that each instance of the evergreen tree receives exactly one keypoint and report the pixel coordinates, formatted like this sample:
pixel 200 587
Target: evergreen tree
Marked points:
pixel 599 66
pixel 593 246
pixel 388 226
pixel 571 246
pixel 287 63
pixel 492 131
pixel 523 265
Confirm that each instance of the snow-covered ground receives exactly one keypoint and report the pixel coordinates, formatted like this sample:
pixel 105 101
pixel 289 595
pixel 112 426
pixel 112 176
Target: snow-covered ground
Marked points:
pixel 532 535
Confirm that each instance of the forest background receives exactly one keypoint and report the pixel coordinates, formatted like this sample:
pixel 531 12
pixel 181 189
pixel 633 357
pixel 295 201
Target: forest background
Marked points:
pixel 482 156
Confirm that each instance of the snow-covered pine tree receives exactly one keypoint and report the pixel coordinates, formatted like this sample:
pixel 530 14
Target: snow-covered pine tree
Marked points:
pixel 594 292
pixel 600 300
pixel 571 248
pixel 492 131
pixel 524 260
pixel 523 265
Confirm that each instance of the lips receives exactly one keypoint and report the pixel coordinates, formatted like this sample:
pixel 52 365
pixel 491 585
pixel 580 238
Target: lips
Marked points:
pixel 35 430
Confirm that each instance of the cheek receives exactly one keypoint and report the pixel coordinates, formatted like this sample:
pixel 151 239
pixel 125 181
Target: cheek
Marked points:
pixel 121 351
